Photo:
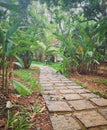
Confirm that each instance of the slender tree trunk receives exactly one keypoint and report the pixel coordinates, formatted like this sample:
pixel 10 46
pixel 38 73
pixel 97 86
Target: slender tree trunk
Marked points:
pixel 3 71
pixel 106 44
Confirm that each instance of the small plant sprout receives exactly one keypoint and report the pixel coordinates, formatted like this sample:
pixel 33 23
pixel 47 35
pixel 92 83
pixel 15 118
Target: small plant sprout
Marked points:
pixel 36 108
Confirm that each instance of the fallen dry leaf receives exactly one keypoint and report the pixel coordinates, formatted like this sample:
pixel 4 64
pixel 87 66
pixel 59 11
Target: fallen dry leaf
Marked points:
pixel 2 122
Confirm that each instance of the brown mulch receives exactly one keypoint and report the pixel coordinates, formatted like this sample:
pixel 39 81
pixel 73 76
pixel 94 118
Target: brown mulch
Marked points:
pixel 40 120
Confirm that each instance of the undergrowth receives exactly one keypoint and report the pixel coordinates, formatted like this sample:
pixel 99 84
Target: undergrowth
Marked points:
pixel 27 78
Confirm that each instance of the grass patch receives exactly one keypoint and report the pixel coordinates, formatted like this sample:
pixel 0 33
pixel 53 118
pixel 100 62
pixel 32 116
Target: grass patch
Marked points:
pixel 84 85
pixel 36 108
pixel 98 92
pixel 56 66
pixel 105 82
pixel 96 80
pixel 18 121
pixel 35 64
pixel 26 78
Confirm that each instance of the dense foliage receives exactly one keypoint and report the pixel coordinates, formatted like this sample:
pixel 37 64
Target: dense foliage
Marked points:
pixel 27 29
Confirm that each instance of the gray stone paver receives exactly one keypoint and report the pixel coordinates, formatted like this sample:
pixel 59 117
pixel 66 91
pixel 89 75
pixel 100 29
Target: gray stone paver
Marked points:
pixel 99 101
pixel 72 96
pixel 50 92
pixel 64 122
pixel 91 118
pixel 103 111
pixel 81 91
pixel 58 106
pixel 46 88
pixel 62 88
pixel 71 84
pixel 53 98
pixel 87 111
pixel 74 87
pixel 89 95
pixel 67 91
pixel 81 104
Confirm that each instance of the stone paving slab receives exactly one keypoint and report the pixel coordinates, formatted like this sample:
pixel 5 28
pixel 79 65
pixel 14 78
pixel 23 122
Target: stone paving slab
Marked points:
pixel 99 128
pixel 99 101
pixel 87 111
pixel 53 98
pixel 89 95
pixel 55 81
pixel 50 92
pixel 64 122
pixel 58 106
pixel 72 96
pixel 74 87
pixel 47 88
pixel 81 104
pixel 62 88
pixel 67 91
pixel 46 85
pixel 103 111
pixel 67 81
pixel 91 118
pixel 59 84
pixel 71 84
pixel 82 91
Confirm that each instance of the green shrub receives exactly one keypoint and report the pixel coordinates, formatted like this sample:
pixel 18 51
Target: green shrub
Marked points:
pixel 105 82
pixel 18 121
pixel 36 108
pixel 98 92
pixel 21 88
pixel 27 79
pixel 96 80
pixel 84 85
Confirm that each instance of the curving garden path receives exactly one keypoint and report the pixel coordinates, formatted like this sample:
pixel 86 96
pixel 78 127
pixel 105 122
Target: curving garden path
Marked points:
pixel 70 106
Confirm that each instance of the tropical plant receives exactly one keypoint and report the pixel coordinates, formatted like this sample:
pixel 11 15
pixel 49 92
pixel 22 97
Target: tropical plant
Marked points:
pixel 7 46
pixel 18 121
pixel 21 88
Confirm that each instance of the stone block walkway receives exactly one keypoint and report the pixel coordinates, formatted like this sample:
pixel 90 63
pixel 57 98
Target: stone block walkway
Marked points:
pixel 72 107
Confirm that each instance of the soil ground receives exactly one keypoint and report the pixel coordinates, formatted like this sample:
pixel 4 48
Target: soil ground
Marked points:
pixel 40 120
pixel 93 83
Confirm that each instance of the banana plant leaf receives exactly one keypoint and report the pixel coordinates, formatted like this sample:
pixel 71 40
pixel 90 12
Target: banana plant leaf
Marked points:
pixel 21 89
pixel 12 29
pixel 9 6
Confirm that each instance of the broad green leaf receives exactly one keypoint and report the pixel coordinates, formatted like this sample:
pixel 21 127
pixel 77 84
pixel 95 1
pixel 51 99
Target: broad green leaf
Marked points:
pixel 21 88
pixel 90 53
pixel 13 7
pixel 12 30
pixel 95 61
pixel 59 37
pixel 20 62
pixel 2 37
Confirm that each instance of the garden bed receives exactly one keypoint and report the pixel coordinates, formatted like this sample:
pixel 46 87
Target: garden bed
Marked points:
pixel 24 112
pixel 94 83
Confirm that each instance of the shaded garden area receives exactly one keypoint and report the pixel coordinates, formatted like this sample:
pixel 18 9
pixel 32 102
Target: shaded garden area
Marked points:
pixel 70 36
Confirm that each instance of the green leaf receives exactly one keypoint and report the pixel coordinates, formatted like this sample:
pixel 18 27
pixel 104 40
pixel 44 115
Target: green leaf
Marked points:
pixel 90 53
pixel 13 7
pixel 2 37
pixel 95 61
pixel 59 37
pixel 20 62
pixel 21 88
pixel 12 30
